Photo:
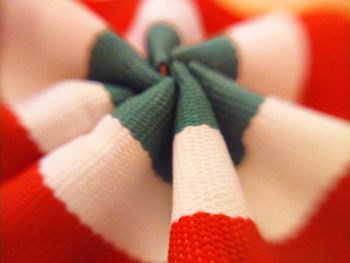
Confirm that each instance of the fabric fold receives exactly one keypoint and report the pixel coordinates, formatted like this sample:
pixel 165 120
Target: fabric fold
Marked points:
pixel 297 155
pixel 210 219
pixel 57 115
pixel 149 118
pixel 114 61
pixel 95 177
pixel 161 40
pixel 217 54
pixel 45 42
pixel 233 105
pixel 182 154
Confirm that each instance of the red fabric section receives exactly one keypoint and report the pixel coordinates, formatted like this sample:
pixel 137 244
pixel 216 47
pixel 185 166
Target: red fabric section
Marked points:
pixel 327 87
pixel 118 13
pixel 17 148
pixel 214 17
pixel 204 237
pixel 326 238
pixel 37 228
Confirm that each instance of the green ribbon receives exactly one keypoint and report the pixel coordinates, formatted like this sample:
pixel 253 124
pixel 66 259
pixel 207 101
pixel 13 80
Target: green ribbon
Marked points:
pixel 174 88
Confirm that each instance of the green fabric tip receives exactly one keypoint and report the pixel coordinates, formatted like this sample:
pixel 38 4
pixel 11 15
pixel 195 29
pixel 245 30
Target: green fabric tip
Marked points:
pixel 234 106
pixel 193 108
pixel 217 53
pixel 114 61
pixel 118 94
pixel 148 115
pixel 161 39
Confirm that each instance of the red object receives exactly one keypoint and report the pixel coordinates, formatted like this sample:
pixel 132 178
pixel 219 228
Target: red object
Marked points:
pixel 38 225
pixel 214 17
pixel 118 13
pixel 17 148
pixel 204 237
pixel 326 236
pixel 328 86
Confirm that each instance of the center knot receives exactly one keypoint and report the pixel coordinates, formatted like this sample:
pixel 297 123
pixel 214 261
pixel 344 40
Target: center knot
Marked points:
pixel 175 88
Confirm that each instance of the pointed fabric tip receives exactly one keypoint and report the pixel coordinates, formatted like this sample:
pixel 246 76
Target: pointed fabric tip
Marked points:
pixel 217 53
pixel 161 39
pixel 234 105
pixel 118 94
pixel 193 107
pixel 148 115
pixel 114 61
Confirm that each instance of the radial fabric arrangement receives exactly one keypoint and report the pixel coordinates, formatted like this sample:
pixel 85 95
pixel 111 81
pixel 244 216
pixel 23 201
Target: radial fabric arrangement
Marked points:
pixel 153 131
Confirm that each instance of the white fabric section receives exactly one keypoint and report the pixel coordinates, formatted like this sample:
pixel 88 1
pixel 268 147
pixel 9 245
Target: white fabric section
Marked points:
pixel 43 42
pixel 63 111
pixel 204 178
pixel 273 54
pixel 294 157
pixel 181 14
pixel 106 179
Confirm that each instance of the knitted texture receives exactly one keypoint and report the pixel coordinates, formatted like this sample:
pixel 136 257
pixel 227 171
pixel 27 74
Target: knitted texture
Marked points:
pixel 233 105
pixel 174 131
pixel 51 231
pixel 56 116
pixel 217 53
pixel 114 61
pixel 205 182
pixel 204 238
pixel 191 99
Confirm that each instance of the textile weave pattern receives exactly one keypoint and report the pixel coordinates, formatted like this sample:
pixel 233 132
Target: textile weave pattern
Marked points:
pixel 175 131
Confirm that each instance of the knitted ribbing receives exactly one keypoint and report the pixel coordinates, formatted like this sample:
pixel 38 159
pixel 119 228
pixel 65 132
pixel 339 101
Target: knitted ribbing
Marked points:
pixel 233 105
pixel 38 224
pixel 97 175
pixel 53 117
pixel 112 60
pixel 204 237
pixel 118 94
pixel 100 184
pixel 217 53
pixel 193 108
pixel 204 176
pixel 149 118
